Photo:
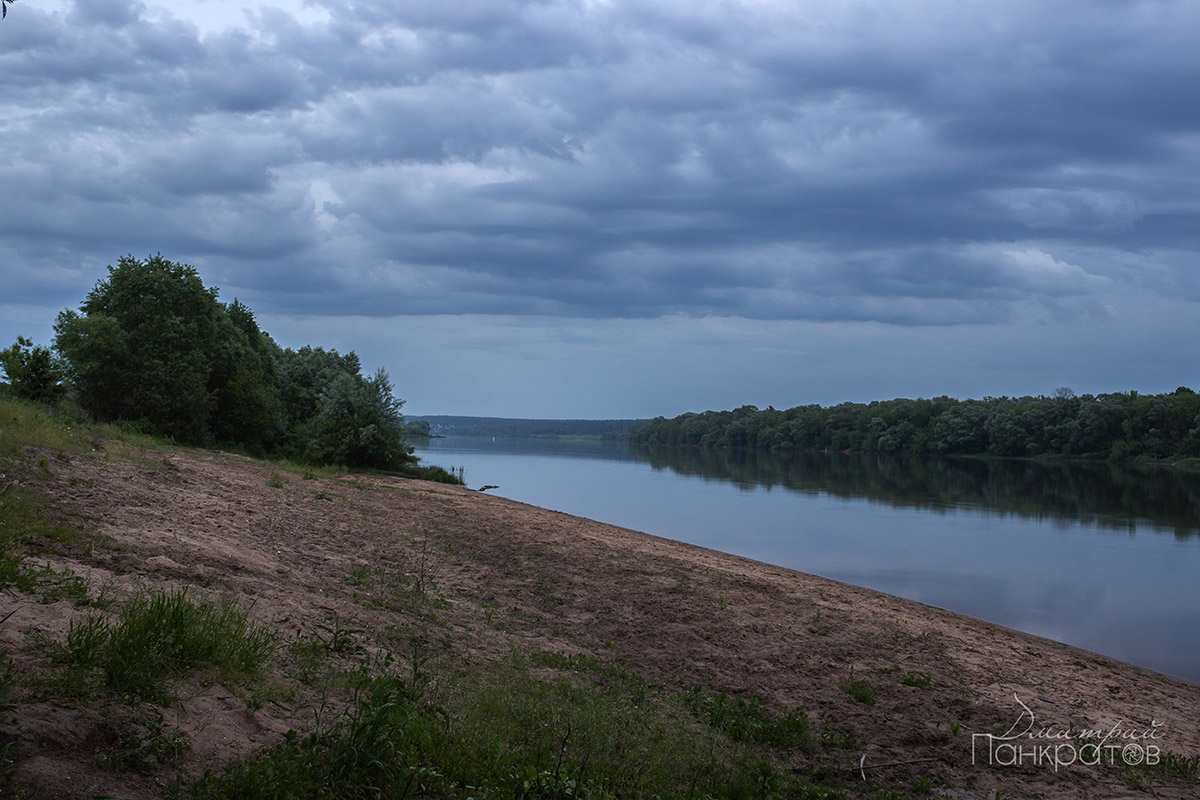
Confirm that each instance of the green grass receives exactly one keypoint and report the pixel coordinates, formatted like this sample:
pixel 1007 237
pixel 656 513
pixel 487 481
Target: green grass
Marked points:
pixel 158 635
pixel 26 424
pixel 434 473
pixel 858 689
pixel 588 729
pixel 28 529
pixel 48 584
pixel 9 743
pixel 308 471
pixel 748 721
pixel 507 735
pixel 1167 769
pixel 336 638
pixel 607 674
pixel 360 576
pixel 372 750
pixel 27 524
pixel 143 744
pixel 919 680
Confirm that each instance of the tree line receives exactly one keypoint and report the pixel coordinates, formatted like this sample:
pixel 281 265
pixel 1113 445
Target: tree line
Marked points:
pixel 151 345
pixel 446 425
pixel 1114 426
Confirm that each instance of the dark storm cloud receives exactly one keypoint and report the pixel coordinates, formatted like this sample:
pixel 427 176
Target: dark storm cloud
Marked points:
pixel 928 163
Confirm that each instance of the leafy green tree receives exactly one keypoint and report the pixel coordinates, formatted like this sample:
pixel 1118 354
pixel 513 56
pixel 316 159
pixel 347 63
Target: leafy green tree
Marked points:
pixel 358 423
pixel 303 375
pixel 143 344
pixel 418 427
pixel 33 371
pixel 151 343
pixel 244 383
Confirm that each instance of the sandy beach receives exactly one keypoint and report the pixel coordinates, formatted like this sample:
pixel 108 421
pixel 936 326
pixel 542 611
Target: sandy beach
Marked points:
pixel 513 577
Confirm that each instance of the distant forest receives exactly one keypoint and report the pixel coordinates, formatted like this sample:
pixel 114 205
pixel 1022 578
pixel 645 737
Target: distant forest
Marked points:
pixel 443 425
pixel 1108 426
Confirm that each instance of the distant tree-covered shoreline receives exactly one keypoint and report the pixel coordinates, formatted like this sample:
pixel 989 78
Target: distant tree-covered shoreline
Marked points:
pixel 1114 426
pixel 449 425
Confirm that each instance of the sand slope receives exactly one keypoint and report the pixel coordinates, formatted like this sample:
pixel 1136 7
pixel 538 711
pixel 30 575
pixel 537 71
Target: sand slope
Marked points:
pixel 513 575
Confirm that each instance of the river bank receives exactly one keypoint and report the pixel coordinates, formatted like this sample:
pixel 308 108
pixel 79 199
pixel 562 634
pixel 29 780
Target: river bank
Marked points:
pixel 895 692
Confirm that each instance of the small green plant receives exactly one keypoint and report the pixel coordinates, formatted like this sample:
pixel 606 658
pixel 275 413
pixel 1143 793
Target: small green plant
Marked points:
pixel 144 745
pixel 275 481
pixel 86 640
pixel 360 576
pixel 48 584
pixel 858 689
pixel 842 740
pixel 424 571
pixel 918 679
pixel 1167 767
pixel 308 655
pixel 338 639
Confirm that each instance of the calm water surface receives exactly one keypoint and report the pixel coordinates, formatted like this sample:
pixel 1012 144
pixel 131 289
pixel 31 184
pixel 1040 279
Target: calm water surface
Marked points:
pixel 1100 557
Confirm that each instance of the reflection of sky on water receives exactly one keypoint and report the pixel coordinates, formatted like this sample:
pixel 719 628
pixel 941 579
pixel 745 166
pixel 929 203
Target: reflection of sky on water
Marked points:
pixel 1129 596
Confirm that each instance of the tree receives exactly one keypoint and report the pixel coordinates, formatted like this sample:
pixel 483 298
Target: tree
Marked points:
pixel 143 344
pixel 150 343
pixel 4 8
pixel 418 427
pixel 34 373
pixel 244 383
pixel 359 424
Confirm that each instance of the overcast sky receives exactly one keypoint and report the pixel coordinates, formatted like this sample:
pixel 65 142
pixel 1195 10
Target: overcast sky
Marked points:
pixel 635 207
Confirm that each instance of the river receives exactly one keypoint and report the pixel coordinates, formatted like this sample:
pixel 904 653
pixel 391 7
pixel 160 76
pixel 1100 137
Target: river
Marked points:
pixel 1094 555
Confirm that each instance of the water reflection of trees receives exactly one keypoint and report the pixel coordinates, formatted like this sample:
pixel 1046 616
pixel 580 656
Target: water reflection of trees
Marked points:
pixel 1101 494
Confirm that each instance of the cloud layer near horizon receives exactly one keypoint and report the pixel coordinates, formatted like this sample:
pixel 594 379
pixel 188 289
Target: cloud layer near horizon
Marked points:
pixel 936 163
